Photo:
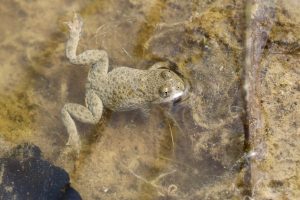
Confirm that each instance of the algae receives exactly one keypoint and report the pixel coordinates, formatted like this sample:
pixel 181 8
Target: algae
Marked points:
pixel 17 117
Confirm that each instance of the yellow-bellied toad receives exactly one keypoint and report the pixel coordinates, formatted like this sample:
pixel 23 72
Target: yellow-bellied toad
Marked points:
pixel 121 89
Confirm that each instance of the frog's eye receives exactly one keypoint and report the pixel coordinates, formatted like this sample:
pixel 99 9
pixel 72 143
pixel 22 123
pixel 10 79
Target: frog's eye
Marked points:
pixel 164 92
pixel 166 74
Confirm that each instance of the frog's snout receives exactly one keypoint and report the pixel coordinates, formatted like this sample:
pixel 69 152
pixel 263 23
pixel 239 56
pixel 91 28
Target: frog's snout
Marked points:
pixel 184 86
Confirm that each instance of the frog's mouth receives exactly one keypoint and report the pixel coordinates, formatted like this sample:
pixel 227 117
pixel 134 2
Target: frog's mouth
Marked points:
pixel 186 82
pixel 175 96
pixel 184 95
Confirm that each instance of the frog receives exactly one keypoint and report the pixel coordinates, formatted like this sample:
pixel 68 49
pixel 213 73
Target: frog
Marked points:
pixel 120 89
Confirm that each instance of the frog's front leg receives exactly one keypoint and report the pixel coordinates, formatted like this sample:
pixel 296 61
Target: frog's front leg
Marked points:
pixel 95 57
pixel 90 114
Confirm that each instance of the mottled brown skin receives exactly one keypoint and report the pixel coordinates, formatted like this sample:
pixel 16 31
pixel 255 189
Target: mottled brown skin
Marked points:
pixel 121 89
pixel 126 88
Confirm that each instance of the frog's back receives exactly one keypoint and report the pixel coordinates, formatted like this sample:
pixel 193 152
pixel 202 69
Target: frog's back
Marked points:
pixel 120 89
pixel 125 74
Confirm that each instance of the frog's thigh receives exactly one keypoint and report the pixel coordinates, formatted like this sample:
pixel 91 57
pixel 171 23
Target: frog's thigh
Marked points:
pixel 92 56
pixel 90 114
pixel 94 104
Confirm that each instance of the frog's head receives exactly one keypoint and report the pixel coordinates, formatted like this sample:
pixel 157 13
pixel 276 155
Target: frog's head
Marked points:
pixel 170 86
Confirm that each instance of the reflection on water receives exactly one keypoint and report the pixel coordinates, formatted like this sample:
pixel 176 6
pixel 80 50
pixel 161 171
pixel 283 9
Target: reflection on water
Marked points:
pixel 191 149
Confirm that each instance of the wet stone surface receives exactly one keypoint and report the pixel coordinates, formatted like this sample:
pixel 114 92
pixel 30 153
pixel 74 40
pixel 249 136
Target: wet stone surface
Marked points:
pixel 24 174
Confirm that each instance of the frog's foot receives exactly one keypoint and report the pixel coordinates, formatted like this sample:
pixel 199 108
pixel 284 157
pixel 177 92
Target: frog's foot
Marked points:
pixel 74 141
pixel 75 25
pixel 68 157
pixel 73 144
pixel 70 152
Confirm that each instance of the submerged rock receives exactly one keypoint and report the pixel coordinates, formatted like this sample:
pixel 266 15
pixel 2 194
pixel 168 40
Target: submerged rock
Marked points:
pixel 24 174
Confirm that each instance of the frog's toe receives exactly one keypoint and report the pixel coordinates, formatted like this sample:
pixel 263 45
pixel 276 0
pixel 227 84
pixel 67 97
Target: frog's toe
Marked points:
pixel 76 24
pixel 68 157
pixel 74 144
pixel 72 151
pixel 77 20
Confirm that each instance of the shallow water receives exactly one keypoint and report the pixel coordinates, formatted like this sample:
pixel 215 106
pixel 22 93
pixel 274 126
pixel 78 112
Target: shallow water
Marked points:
pixel 202 147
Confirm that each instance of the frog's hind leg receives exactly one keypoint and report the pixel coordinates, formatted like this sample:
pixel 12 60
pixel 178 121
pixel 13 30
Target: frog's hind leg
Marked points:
pixel 97 58
pixel 90 114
